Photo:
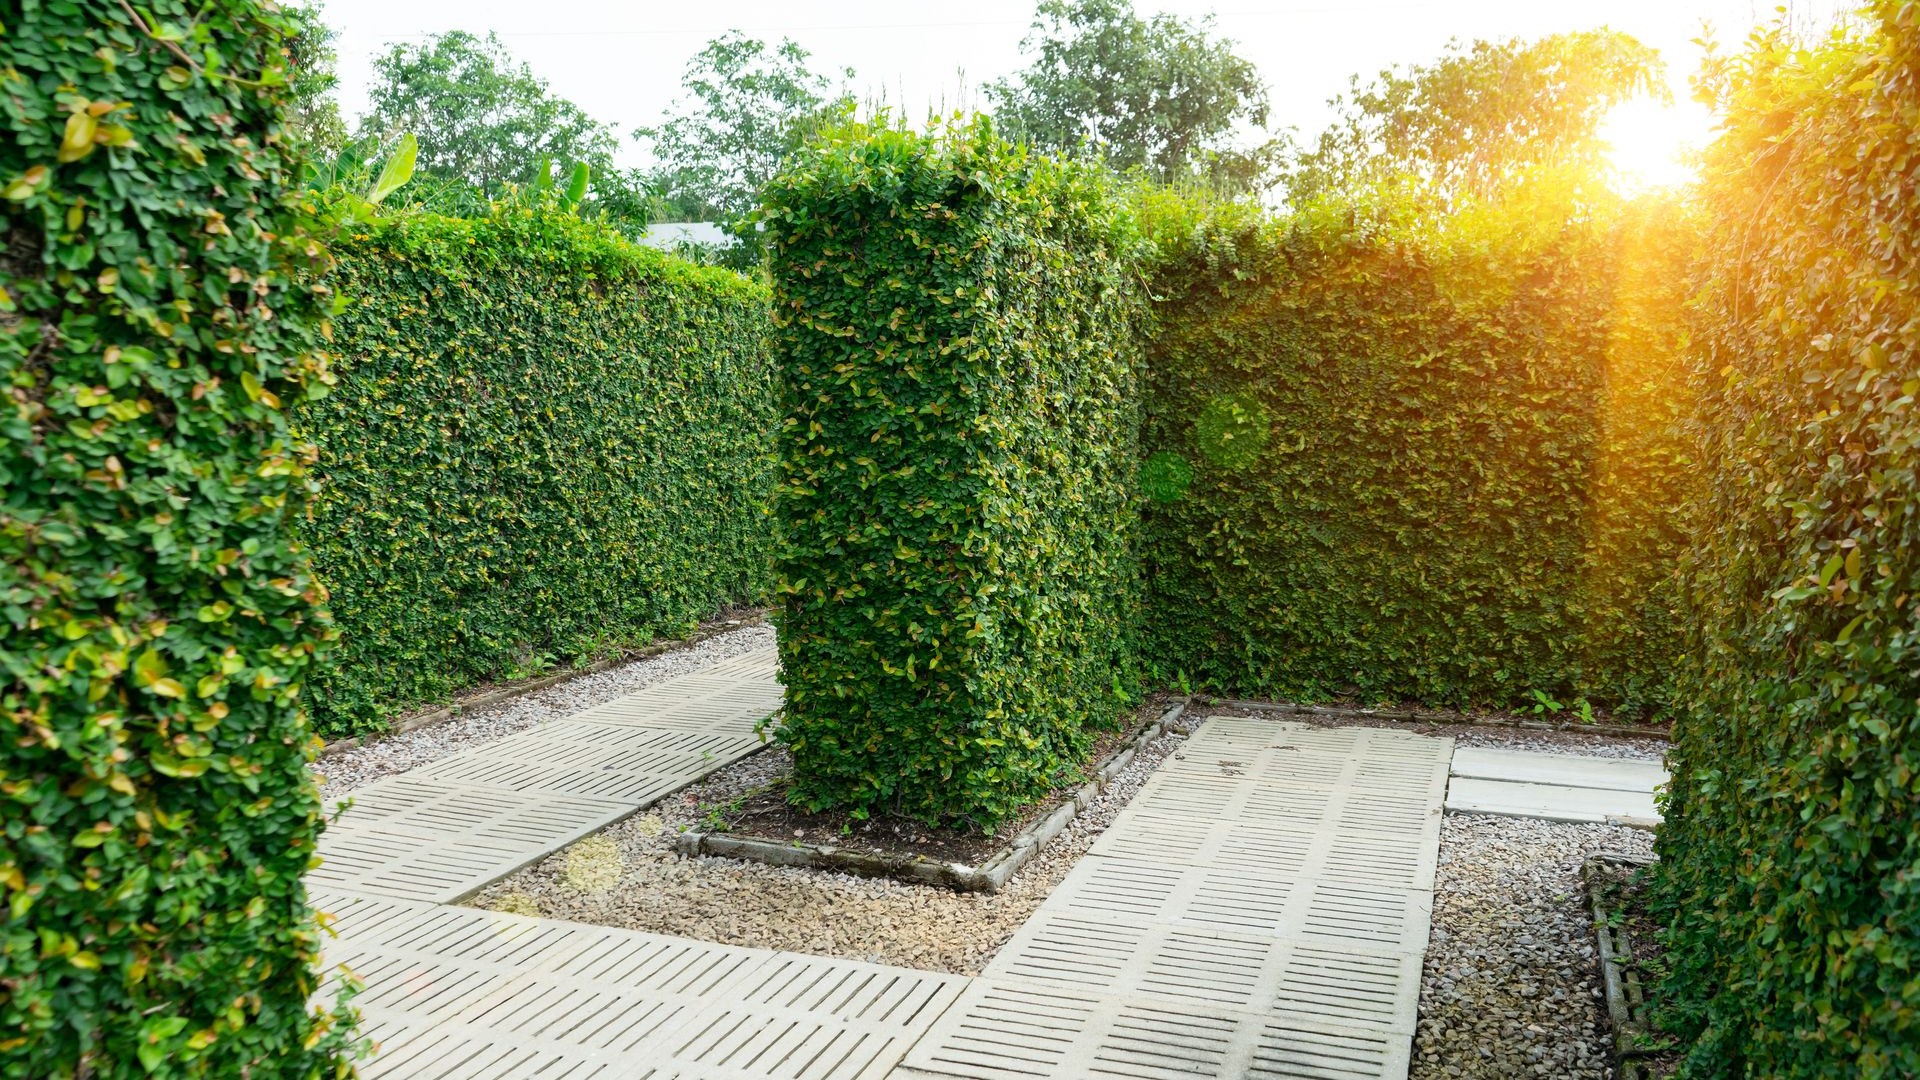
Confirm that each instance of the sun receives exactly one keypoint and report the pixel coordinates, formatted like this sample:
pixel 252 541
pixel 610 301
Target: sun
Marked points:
pixel 1651 144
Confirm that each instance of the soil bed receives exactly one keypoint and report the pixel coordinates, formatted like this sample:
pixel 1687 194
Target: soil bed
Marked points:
pixel 764 814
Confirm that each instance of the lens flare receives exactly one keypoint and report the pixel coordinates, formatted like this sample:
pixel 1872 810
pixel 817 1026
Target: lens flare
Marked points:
pixel 1652 144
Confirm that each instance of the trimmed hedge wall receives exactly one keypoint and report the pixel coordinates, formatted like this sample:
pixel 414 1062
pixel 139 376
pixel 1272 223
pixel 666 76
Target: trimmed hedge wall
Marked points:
pixel 545 441
pixel 1791 851
pixel 156 625
pixel 958 325
pixel 1403 463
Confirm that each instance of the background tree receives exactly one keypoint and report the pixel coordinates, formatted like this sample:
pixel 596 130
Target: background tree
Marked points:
pixel 747 106
pixel 313 116
pixel 485 121
pixel 1479 118
pixel 1161 95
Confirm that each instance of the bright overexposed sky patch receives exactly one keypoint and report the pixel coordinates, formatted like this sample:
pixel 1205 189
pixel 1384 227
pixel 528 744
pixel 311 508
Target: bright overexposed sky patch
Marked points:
pixel 622 60
pixel 1652 144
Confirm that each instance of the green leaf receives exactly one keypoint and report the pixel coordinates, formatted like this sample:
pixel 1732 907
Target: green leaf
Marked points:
pixel 397 170
pixel 576 185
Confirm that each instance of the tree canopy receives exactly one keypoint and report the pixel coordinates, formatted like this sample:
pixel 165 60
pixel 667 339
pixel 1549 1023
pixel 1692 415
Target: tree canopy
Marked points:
pixel 1161 95
pixel 1480 117
pixel 747 106
pixel 486 121
pixel 313 116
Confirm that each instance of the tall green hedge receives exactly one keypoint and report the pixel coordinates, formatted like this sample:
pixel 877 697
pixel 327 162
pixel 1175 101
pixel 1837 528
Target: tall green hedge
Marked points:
pixel 1404 461
pixel 957 323
pixel 1791 850
pixel 544 441
pixel 156 625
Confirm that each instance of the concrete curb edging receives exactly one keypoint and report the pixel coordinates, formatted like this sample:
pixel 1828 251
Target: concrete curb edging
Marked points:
pixel 1427 716
pixel 1626 998
pixel 988 878
pixel 436 717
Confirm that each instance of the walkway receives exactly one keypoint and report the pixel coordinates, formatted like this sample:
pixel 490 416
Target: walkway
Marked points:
pixel 1259 910
pixel 444 830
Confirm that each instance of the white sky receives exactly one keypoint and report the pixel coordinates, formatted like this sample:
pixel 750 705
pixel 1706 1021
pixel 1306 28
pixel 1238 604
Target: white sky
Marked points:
pixel 622 61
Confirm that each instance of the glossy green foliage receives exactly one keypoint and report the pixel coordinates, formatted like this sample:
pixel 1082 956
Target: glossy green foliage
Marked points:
pixel 1425 463
pixel 1791 852
pixel 545 441
pixel 157 627
pixel 958 324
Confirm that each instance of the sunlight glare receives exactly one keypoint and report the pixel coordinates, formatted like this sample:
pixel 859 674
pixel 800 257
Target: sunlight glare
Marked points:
pixel 1652 144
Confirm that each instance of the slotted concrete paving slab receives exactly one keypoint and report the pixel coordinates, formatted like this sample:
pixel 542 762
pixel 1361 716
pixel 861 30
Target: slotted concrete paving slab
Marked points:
pixel 459 992
pixel 448 828
pixel 1259 910
pixel 1555 787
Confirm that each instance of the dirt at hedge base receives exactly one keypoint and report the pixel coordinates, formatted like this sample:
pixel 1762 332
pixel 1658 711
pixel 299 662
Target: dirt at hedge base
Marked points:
pixel 765 814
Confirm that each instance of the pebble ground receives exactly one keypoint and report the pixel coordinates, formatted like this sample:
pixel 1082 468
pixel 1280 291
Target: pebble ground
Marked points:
pixel 1511 986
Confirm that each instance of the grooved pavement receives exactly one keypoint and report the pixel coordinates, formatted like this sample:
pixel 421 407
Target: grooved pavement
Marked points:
pixel 1259 910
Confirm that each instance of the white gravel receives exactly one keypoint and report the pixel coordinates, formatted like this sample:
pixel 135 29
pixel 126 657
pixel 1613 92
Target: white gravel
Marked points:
pixel 349 769
pixel 630 875
pixel 1511 986
pixel 1560 742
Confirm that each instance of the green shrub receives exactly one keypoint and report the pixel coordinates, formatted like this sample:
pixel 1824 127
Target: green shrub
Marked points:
pixel 1427 463
pixel 545 441
pixel 1791 852
pixel 156 812
pixel 958 325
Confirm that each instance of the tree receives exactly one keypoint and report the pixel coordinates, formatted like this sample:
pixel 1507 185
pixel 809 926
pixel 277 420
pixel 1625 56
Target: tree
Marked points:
pixel 486 122
pixel 313 116
pixel 1479 119
pixel 1161 95
pixel 747 106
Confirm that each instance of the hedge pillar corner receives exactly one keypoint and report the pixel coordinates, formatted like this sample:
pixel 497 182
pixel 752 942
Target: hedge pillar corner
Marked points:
pixel 157 625
pixel 957 325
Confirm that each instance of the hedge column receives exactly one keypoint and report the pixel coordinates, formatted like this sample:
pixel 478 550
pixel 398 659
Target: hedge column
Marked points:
pixel 956 323
pixel 155 807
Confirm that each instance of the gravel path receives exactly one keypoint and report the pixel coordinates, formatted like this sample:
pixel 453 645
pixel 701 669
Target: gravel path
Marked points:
pixel 630 876
pixel 349 769
pixel 1510 987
